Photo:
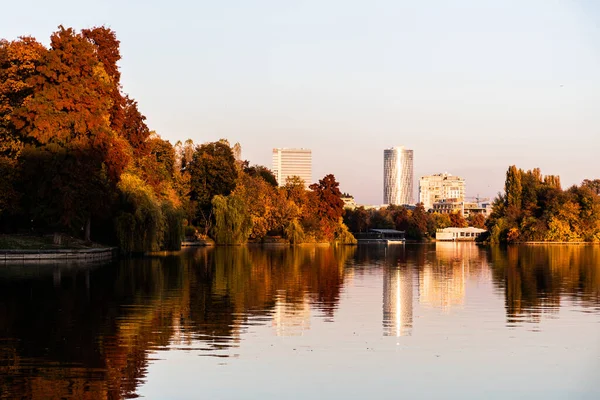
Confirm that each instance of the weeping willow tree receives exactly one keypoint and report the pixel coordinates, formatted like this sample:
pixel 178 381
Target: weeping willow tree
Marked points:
pixel 173 232
pixel 140 226
pixel 146 223
pixel 343 235
pixel 232 221
pixel 294 232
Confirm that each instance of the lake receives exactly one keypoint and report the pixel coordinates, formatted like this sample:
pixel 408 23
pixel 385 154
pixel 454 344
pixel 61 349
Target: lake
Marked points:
pixel 441 320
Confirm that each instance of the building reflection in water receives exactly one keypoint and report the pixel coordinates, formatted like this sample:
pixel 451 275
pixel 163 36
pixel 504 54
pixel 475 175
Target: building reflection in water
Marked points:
pixel 397 301
pixel 442 281
pixel 291 318
pixel 442 284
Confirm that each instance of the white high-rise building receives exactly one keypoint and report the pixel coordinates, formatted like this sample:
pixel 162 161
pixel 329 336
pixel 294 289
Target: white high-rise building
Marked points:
pixel 292 162
pixel 398 176
pixel 439 187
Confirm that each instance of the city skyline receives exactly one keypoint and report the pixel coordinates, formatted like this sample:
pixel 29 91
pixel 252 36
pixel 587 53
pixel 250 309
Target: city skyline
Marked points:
pixel 478 86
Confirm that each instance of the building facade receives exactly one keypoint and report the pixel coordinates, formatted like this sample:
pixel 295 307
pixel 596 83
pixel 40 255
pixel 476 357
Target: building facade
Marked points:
pixel 349 202
pixel 459 234
pixel 398 176
pixel 292 162
pixel 440 187
pixel 466 208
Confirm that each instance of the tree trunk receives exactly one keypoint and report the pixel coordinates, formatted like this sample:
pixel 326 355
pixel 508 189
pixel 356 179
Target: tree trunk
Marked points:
pixel 88 227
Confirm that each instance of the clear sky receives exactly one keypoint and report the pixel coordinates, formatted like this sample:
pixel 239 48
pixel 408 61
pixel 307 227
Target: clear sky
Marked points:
pixel 472 86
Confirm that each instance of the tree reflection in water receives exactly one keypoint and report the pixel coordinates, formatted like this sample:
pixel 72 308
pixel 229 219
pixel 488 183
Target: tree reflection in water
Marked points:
pixel 90 332
pixel 535 278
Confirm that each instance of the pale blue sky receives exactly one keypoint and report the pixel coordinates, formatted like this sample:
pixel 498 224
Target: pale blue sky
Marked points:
pixel 471 86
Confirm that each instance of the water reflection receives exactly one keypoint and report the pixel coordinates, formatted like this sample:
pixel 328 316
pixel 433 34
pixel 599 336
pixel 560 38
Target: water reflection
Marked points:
pixel 442 282
pixel 397 301
pixel 92 332
pixel 88 333
pixel 291 319
pixel 536 279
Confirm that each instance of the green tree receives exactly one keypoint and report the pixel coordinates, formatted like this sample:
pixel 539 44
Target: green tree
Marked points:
pixel 141 224
pixel 212 173
pixel 357 219
pixel 513 187
pixel 261 172
pixel 232 222
pixel 294 232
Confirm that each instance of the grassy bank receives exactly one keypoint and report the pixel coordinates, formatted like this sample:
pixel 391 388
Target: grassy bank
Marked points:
pixel 43 242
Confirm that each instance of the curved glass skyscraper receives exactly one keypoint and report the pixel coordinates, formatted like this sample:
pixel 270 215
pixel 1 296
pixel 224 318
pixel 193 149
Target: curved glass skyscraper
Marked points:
pixel 397 176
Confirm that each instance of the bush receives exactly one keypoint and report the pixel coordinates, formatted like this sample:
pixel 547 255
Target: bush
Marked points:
pixel 190 231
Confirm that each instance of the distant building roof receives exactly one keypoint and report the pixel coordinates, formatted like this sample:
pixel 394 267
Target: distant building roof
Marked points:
pixel 467 229
pixel 385 231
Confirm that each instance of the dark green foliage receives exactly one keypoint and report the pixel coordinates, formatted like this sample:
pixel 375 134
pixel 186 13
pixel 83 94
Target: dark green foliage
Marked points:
pixel 61 189
pixel 262 172
pixel 173 233
pixel 212 172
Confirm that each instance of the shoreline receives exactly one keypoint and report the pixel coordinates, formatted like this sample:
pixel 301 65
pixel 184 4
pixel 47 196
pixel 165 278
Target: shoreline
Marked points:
pixel 91 254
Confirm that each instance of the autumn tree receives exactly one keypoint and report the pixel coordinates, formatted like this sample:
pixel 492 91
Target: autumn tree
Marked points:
pixel 593 185
pixel 19 61
pixel 260 202
pixel 547 213
pixel 476 220
pixel 71 158
pixel 330 205
pixel 296 192
pixel 108 53
pixel 77 149
pixel 457 220
pixel 327 206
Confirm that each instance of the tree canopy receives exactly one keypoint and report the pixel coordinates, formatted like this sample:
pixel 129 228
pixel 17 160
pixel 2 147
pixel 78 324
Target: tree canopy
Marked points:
pixel 536 208
pixel 76 153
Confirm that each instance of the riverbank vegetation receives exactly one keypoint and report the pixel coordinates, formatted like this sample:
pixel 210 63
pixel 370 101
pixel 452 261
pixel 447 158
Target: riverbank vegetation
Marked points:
pixel 76 156
pixel 534 207
pixel 43 242
pixel 416 222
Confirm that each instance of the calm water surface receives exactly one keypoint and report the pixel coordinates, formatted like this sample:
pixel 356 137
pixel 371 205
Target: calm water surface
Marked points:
pixel 445 320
